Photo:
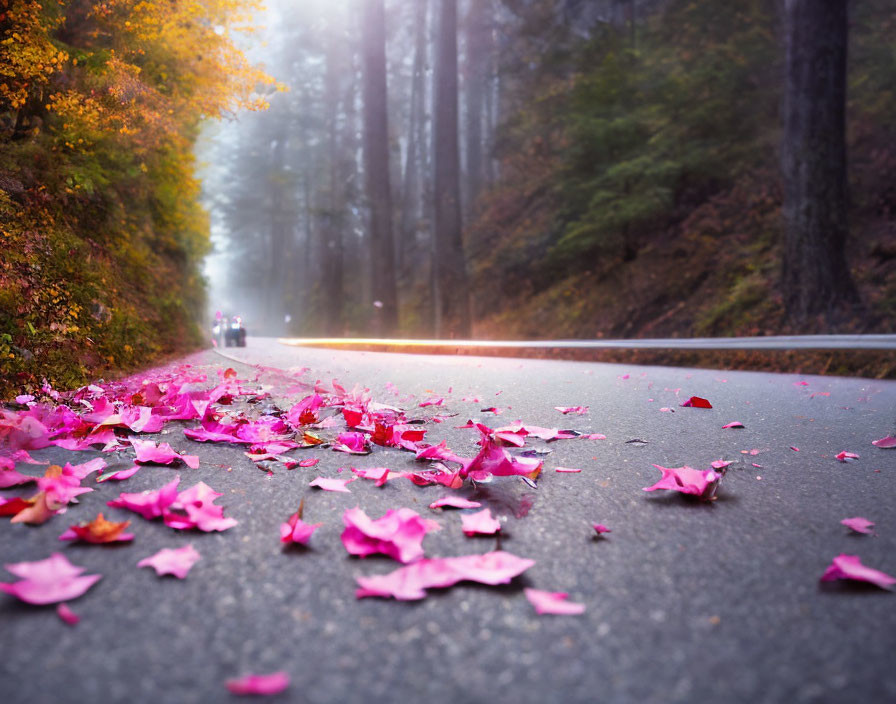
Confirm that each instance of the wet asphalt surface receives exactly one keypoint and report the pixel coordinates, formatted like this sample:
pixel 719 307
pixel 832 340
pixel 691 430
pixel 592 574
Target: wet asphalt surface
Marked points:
pixel 686 601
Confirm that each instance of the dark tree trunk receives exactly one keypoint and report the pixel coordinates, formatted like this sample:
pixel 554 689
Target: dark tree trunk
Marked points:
pixel 816 278
pixel 452 307
pixel 410 209
pixel 333 205
pixel 376 168
pixel 475 86
pixel 280 228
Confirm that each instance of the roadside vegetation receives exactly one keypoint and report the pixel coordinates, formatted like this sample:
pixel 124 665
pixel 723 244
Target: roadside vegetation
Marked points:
pixel 101 232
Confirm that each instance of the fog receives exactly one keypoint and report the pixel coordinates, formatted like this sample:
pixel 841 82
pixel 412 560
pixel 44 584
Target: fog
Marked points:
pixel 502 162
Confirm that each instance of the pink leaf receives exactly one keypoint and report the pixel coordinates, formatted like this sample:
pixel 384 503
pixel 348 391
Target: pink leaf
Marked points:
pixel 195 508
pixel 66 614
pixel 146 451
pixel 295 530
pixel 733 424
pixel 454 502
pixel 859 525
pixel 481 522
pixel 85 469
pixel 411 582
pixel 566 410
pixel 398 534
pixel 273 683
pixel 168 561
pixel 149 504
pixel 687 480
pixel 494 460
pixel 845 456
pixel 332 484
pixel 850 567
pixel 352 443
pixel 380 475
pixel 886 443
pixel 48 581
pixel 120 474
pixel 61 490
pixel 552 602
pixel 10 477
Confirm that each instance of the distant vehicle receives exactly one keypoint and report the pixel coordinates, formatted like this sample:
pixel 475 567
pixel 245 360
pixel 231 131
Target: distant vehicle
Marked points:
pixel 234 332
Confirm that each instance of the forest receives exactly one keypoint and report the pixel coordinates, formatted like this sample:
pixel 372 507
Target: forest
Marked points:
pixel 440 168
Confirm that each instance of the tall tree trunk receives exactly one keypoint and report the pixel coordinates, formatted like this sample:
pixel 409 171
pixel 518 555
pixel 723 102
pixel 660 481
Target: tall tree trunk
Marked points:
pixel 376 168
pixel 452 304
pixel 279 247
pixel 477 29
pixel 333 202
pixel 410 208
pixel 815 275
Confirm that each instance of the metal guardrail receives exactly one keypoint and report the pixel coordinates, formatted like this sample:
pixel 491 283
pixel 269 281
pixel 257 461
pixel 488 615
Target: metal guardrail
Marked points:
pixel 771 342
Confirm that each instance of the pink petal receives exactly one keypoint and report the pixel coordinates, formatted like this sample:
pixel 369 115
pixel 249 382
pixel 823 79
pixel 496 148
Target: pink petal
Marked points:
pixel 147 451
pixel 567 470
pixel 48 581
pixel 795 449
pixel 352 443
pixel 66 614
pixel 850 567
pixel 82 471
pixel 167 561
pixel 600 528
pixel 481 522
pixel 10 477
pixel 434 401
pixel 149 504
pixel 844 456
pixel 380 475
pixel 593 436
pixel 687 480
pixel 719 464
pixel 411 581
pixel 566 410
pixel 398 534
pixel 332 484
pixel 859 525
pixel 120 474
pixel 273 683
pixel 886 443
pixel 552 602
pixel 308 462
pixel 61 490
pixel 696 402
pixel 195 508
pixel 733 424
pixel 454 502
pixel 295 530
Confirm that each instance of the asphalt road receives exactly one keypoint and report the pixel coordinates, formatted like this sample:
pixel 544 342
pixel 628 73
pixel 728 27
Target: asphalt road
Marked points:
pixel 686 602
